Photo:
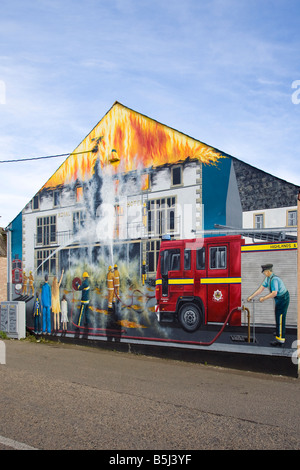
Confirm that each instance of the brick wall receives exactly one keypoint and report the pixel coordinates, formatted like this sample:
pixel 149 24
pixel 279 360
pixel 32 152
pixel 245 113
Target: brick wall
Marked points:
pixel 3 279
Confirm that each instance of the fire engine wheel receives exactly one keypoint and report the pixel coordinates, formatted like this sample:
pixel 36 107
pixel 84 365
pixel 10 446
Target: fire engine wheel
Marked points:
pixel 190 317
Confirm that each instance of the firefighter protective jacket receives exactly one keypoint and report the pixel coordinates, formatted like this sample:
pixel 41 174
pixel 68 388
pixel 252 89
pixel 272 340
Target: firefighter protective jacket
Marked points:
pixel 85 288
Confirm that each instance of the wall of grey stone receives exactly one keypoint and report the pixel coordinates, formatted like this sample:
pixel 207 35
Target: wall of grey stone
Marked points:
pixel 2 242
pixel 260 190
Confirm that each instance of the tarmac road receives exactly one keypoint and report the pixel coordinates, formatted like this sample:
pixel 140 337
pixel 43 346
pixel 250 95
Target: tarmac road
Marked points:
pixel 57 396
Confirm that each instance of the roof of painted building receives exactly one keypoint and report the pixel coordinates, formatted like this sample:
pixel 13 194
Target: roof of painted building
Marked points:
pixel 127 140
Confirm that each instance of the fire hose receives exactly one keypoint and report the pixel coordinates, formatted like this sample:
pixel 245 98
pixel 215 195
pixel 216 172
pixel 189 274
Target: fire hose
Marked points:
pixel 202 343
pixel 148 297
pixel 77 281
pixel 209 343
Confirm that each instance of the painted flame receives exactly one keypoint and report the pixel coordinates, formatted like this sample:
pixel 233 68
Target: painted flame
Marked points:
pixel 136 141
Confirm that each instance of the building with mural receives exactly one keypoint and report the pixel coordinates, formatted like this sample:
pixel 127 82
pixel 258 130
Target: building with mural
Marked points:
pixel 130 182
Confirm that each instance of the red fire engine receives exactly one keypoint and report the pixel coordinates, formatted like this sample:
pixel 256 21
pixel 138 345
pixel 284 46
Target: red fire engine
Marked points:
pixel 199 281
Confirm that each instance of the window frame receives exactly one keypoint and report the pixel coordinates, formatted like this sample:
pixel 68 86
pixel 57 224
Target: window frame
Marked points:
pixel 288 214
pixel 46 258
pixel 161 215
pixel 36 202
pixel 174 168
pixel 259 214
pixel 218 257
pixel 46 230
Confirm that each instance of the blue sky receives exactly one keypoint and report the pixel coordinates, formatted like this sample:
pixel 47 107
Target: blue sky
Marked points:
pixel 220 71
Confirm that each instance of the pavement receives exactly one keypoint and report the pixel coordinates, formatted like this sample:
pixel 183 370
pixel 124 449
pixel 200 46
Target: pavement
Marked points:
pixel 234 348
pixel 68 396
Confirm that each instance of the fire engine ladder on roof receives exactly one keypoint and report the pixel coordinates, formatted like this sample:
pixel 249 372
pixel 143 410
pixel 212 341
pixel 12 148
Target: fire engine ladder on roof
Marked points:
pixel 271 235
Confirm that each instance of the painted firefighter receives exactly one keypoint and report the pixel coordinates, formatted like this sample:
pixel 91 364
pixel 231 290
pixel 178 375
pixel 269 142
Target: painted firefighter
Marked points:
pixel 24 283
pixel 116 283
pixel 85 299
pixel 31 281
pixel 110 287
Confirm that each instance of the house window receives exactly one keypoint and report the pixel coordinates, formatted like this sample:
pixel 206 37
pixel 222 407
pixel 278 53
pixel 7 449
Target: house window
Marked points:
pixel 46 230
pixel 258 221
pixel 46 262
pixel 153 248
pixel 291 218
pixel 118 220
pixel 145 182
pixel 56 198
pixel 78 221
pixel 176 175
pixel 170 214
pixel 161 215
pixel 36 203
pixel 79 193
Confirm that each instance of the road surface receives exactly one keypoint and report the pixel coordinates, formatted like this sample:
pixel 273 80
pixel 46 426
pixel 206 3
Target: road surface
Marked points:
pixel 57 396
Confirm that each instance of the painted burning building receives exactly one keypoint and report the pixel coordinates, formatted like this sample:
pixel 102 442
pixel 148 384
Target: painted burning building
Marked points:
pixel 129 182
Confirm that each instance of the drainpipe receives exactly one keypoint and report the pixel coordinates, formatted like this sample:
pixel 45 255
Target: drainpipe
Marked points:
pixel 8 231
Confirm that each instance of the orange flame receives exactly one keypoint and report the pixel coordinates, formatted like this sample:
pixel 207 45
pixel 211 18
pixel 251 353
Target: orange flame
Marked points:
pixel 138 142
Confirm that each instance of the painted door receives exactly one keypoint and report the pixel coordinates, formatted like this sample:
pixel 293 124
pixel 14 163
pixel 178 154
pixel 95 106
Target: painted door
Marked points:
pixel 217 282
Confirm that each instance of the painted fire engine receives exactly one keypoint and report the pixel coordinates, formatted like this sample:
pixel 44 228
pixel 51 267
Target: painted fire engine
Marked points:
pixel 199 281
pixel 207 280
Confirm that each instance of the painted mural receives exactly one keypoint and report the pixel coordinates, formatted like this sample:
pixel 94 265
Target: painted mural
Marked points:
pixel 111 250
pixel 125 140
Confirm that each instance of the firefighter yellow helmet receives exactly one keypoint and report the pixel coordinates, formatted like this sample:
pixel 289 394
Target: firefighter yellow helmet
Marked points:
pixel 115 266
pixel 109 268
pixel 85 274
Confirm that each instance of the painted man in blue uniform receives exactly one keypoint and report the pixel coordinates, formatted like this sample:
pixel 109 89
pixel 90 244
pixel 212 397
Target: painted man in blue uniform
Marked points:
pixel 281 295
pixel 46 305
pixel 37 314
pixel 85 299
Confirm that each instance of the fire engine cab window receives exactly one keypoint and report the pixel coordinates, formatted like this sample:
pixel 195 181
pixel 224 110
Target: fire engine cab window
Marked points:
pixel 218 257
pixel 170 261
pixel 200 261
pixel 187 259
pixel 175 262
